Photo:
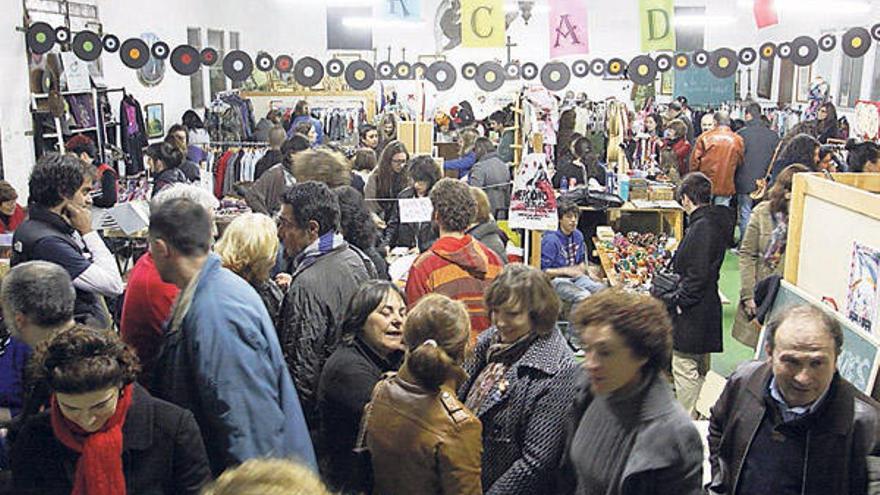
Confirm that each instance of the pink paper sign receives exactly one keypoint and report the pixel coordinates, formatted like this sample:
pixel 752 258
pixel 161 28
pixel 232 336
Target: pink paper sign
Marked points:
pixel 568 28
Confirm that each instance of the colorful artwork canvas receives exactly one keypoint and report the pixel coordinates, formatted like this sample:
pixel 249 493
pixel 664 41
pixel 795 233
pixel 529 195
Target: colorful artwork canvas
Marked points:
pixel 863 298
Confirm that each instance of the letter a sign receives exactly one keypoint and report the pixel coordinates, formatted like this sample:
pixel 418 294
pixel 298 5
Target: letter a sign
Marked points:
pixel 568 28
pixel 482 23
pixel 658 31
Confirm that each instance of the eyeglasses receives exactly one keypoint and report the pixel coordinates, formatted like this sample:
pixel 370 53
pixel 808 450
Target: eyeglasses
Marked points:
pixel 283 223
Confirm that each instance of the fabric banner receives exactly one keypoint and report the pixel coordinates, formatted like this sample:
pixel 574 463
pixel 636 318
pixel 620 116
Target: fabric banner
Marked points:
pixel 403 10
pixel 482 23
pixel 568 28
pixel 533 201
pixel 655 17
pixel 765 13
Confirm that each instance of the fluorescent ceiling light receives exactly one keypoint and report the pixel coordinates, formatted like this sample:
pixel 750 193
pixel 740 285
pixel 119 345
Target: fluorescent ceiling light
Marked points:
pixel 372 22
pixel 815 6
pixel 703 20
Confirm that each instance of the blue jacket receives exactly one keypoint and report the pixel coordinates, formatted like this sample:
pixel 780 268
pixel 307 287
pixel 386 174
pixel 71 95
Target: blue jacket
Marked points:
pixel 462 164
pixel 319 127
pixel 225 365
pixel 553 246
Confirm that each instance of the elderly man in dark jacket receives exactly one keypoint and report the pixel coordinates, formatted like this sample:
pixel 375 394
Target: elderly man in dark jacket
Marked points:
pixel 694 305
pixel 792 424
pixel 326 274
pixel 759 145
pixel 492 175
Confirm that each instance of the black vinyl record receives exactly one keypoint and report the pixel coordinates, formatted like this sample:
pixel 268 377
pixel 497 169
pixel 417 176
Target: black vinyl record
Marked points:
pixel 615 67
pixel 209 56
pixel 134 53
pixel 87 45
pixel 682 61
pixel 856 42
pixel 597 67
pixel 160 50
pixel 804 51
pixel 580 68
pixel 529 71
pixel 419 70
pixel 490 76
pixel 403 70
pixel 360 75
pixel 723 63
pixel 513 71
pixel 784 50
pixel 308 71
pixel 642 70
pixel 185 60
pixel 237 65
pixel 335 67
pixel 663 62
pixel 701 58
pixel 385 70
pixel 284 63
pixel 827 42
pixel 40 37
pixel 555 76
pixel 469 71
pixel 875 31
pixel 111 43
pixel 264 62
pixel 62 35
pixel 747 56
pixel 767 50
pixel 442 74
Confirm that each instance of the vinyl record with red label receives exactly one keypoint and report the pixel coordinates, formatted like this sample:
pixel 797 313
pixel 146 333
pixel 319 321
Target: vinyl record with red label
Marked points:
pixel 264 62
pixel 160 50
pixel 209 56
pixel 767 50
pixel 62 35
pixel 490 76
pixel 469 71
pixel 87 46
pixel 442 74
pixel 682 61
pixel 284 63
pixel 701 58
pixel 804 51
pixel 597 67
pixel 723 63
pixel 856 42
pixel 385 71
pixel 827 42
pixel 529 71
pixel 615 67
pixel 403 70
pixel 580 68
pixel 40 38
pixel 747 56
pixel 238 65
pixel 419 70
pixel 185 60
pixel 111 43
pixel 308 72
pixel 134 53
pixel 335 67
pixel 642 70
pixel 360 75
pixel 664 62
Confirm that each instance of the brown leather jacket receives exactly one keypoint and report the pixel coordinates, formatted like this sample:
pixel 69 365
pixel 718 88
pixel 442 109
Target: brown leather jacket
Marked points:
pixel 717 154
pixel 422 441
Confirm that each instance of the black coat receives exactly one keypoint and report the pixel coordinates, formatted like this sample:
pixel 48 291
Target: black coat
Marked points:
pixel 759 144
pixel 346 386
pixel 695 306
pixel 421 235
pixel 162 452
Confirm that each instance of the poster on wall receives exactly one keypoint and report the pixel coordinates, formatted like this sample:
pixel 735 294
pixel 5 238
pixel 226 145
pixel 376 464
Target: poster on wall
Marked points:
pixel 862 296
pixel 76 73
pixel 656 22
pixel 568 28
pixel 533 201
pixel 482 23
pixel 401 10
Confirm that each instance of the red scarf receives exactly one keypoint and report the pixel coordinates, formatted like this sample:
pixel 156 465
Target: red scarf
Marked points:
pixel 99 468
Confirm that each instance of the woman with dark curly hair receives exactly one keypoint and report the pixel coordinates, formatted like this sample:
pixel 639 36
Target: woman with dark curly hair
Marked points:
pixel 104 434
pixel 802 149
pixel 424 172
pixel 357 227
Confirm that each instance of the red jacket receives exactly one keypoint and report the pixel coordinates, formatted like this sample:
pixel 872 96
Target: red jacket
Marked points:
pixel 717 154
pixel 15 220
pixel 461 269
pixel 682 150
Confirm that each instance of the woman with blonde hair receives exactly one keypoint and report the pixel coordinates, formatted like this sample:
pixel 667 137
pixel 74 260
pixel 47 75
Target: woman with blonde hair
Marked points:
pixel 420 437
pixel 483 227
pixel 268 477
pixel 467 157
pixel 248 247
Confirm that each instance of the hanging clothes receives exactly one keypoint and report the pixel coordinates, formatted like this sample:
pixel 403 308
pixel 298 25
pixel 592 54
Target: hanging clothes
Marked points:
pixel 134 134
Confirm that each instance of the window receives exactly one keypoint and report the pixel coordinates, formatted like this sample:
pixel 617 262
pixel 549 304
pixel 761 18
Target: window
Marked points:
pixel 197 80
pixel 850 81
pixel 215 72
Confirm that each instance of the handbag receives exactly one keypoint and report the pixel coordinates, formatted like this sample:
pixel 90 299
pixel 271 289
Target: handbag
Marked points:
pixel 665 282
pixel 761 185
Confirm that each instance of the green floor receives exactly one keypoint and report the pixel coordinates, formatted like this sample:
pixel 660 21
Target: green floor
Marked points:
pixel 734 352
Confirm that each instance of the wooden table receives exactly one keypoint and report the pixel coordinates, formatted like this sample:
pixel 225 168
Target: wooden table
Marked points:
pixel 607 265
pixel 674 217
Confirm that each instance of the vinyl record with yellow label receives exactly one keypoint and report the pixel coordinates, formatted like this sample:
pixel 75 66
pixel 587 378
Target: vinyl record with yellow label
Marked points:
pixel 856 42
pixel 682 61
pixel 642 70
pixel 723 63
pixel 767 50
pixel 555 76
pixel 615 67
pixel 360 75
pixel 490 76
pixel 134 53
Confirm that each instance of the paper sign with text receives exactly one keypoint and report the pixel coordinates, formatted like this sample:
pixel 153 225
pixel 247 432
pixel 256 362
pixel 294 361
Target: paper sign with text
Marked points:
pixel 415 210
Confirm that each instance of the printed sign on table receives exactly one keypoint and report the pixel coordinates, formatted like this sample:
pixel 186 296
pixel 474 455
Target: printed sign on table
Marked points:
pixel 533 201
pixel 415 210
pixel 863 298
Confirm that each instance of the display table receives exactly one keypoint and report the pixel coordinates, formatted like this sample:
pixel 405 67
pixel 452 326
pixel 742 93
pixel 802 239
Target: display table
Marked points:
pixel 670 219
pixel 607 264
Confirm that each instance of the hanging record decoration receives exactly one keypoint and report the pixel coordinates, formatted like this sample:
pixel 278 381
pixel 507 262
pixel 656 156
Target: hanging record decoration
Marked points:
pixel 208 56
pixel 441 74
pixel 663 62
pixel 747 56
pixel 767 50
pixel 723 63
pixel 529 71
pixel 185 60
pixel 682 61
pixel 512 70
pixel 827 42
pixel 419 70
pixel 264 62
pixel 856 42
pixel 403 70
pixel 308 72
pixel 490 76
pixel 555 76
pixel 335 67
pixel 40 38
pixel 359 75
pixel 875 32
pixel 284 63
pixel 615 67
pixel 701 58
pixel 237 65
pixel 385 70
pixel 111 43
pixel 87 46
pixel 580 68
pixel 134 53
pixel 597 67
pixel 804 51
pixel 642 70
pixel 784 50
pixel 469 71
pixel 160 50
pixel 62 35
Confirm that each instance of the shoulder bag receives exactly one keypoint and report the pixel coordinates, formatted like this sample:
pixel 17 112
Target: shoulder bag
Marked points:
pixel 665 282
pixel 761 184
